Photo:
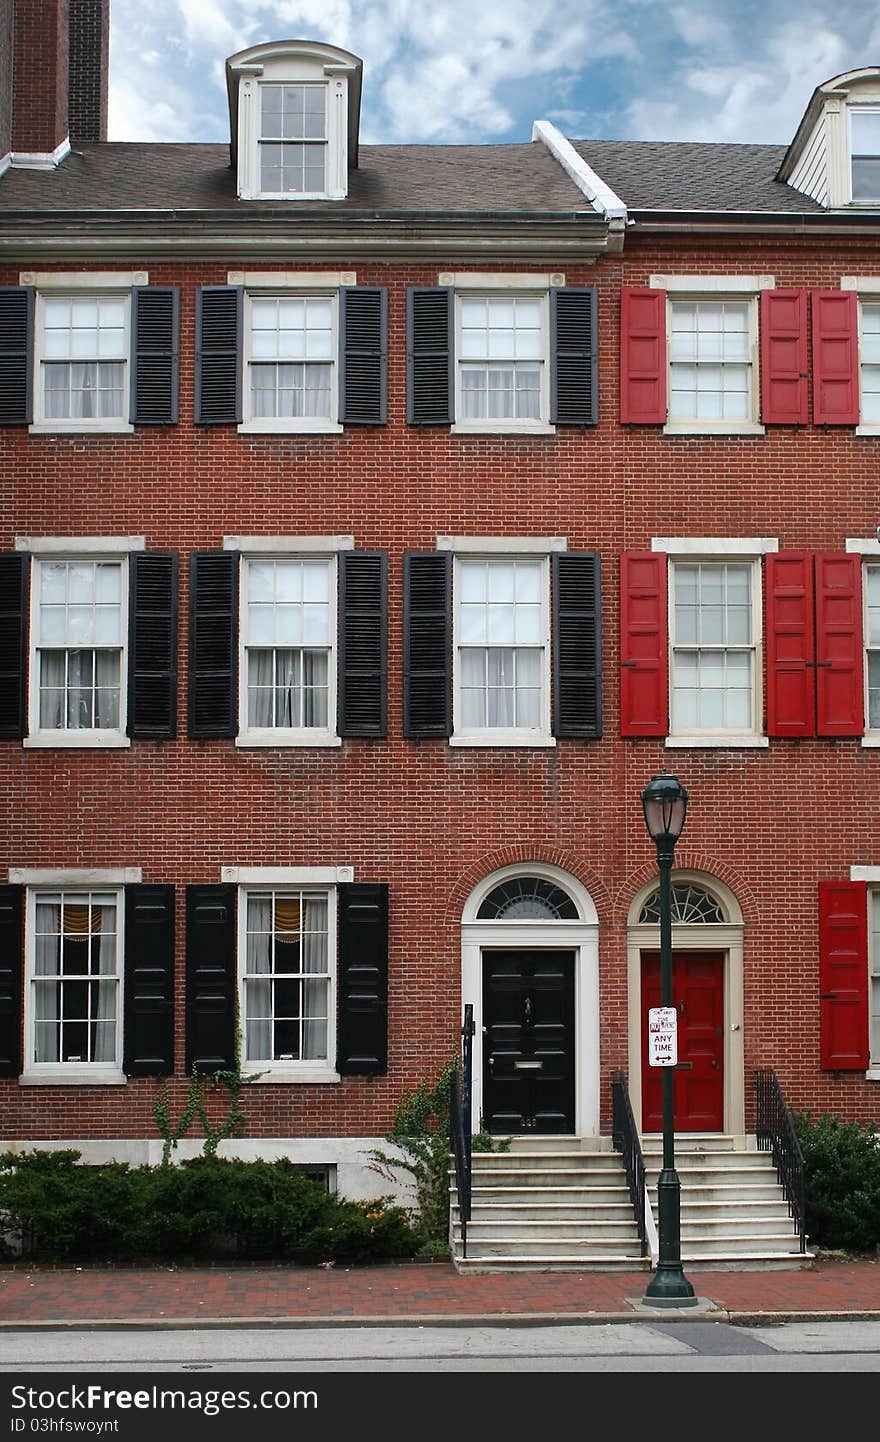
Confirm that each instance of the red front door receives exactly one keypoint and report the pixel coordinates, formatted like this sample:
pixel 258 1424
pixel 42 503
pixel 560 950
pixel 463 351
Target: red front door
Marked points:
pixel 698 992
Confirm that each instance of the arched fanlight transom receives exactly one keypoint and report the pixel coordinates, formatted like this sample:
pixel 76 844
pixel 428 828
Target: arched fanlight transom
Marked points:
pixel 527 898
pixel 691 906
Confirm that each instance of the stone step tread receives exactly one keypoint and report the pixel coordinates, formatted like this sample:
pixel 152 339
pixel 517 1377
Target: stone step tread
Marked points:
pixel 635 1258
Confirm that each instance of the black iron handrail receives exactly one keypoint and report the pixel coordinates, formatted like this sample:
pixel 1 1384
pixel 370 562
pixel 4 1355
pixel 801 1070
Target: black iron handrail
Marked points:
pixel 776 1134
pixel 625 1136
pixel 460 1087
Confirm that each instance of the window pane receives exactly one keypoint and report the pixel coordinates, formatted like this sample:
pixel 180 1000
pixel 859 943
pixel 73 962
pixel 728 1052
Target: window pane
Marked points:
pixel 866 179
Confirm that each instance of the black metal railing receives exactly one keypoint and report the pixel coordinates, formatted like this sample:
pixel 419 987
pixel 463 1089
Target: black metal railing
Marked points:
pixel 460 1089
pixel 625 1136
pixel 776 1134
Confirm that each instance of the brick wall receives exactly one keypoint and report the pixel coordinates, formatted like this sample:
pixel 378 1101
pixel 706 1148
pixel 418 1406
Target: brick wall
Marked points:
pixel 427 819
pixel 89 69
pixel 39 119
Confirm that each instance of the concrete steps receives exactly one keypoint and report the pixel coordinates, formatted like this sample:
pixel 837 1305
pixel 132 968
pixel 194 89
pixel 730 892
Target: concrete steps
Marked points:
pixel 733 1209
pixel 547 1205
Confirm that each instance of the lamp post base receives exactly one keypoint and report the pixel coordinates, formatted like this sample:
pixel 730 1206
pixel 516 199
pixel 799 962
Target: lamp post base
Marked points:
pixel 669 1286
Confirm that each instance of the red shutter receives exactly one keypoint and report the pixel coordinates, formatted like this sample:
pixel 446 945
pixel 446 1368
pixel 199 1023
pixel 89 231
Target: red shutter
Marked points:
pixel 644 707
pixel 835 358
pixel 840 701
pixel 642 356
pixel 789 644
pixel 843 975
pixel 784 357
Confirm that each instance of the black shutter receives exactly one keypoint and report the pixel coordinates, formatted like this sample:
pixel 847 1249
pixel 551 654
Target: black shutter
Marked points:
pixel 152 653
pixel 427 644
pixel 574 358
pixel 430 356
pixel 16 354
pixel 218 355
pixel 155 312
pixel 363 355
pixel 363 643
pixel 11 965
pixel 13 642
pixel 148 999
pixel 213 643
pixel 210 978
pixel 362 1048
pixel 577 645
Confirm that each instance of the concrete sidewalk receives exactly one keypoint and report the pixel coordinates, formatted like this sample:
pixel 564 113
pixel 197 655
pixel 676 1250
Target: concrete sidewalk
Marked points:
pixel 830 1288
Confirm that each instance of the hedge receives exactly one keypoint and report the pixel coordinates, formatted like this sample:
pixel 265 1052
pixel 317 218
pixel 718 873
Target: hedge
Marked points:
pixel 842 1166
pixel 56 1209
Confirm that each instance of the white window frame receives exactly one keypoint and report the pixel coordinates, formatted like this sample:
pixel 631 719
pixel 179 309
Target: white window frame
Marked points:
pixel 61 1073
pixel 289 425
pixel 81 288
pixel 498 735
pixel 499 426
pixel 280 879
pixel 867 288
pixel 88 551
pixel 283 71
pixel 745 550
pixel 870 201
pixel 301 736
pixel 872 733
pixel 693 289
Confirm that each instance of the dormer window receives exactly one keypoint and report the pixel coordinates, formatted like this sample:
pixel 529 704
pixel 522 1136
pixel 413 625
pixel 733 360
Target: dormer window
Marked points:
pixel 864 131
pixel 293 139
pixel 294 109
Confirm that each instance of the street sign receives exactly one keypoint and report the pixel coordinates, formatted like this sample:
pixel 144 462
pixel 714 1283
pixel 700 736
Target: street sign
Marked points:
pixel 662 1036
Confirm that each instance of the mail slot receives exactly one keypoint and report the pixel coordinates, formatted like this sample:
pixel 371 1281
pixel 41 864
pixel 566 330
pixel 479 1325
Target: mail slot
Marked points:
pixel 684 1066
pixel 528 1065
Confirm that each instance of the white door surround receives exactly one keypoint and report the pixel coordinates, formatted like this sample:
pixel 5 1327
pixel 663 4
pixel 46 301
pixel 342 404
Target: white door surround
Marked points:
pixel 580 936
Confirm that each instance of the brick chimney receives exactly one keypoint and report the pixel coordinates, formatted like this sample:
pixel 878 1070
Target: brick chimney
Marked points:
pixel 39 78
pixel 89 68
pixel 54 74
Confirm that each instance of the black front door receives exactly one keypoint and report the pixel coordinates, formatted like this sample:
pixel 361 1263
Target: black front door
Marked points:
pixel 528 1042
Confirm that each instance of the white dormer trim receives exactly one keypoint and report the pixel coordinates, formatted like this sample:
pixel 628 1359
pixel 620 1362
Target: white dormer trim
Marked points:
pixel 817 163
pixel 601 196
pixel 336 72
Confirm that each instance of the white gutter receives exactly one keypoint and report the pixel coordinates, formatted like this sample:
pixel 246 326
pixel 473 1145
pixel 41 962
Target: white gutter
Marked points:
pixel 601 196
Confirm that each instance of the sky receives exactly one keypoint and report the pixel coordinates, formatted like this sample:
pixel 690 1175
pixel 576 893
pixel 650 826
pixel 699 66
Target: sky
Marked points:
pixel 481 71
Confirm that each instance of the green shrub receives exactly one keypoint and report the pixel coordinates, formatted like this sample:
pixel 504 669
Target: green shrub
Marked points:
pixel 842 1164
pixel 206 1208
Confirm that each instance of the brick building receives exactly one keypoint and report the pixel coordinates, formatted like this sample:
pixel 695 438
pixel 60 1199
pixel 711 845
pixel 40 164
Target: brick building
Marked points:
pixel 378 520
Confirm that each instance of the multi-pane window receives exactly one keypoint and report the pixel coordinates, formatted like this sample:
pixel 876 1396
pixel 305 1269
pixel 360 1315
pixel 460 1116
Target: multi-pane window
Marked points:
pixel 865 153
pixel 874 978
pixel 79 645
pixel 713 647
pixel 501 348
pixel 288 628
pixel 501 644
pixel 869 363
pixel 288 975
pixel 710 361
pixel 291 348
pixel 83 357
pixel 293 139
pixel 872 644
pixel 74 980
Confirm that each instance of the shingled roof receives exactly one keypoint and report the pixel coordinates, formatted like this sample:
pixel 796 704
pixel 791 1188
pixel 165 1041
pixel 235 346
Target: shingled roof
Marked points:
pixel 665 175
pixel 390 178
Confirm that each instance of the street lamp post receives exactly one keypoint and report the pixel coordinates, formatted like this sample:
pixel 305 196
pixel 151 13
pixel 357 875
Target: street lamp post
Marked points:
pixel 664 801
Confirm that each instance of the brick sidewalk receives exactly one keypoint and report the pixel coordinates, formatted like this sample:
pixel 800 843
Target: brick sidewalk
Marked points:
pixel 88 1295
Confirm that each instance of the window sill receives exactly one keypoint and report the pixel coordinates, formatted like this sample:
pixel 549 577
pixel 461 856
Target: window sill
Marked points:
pixel 501 738
pixel 691 428
pixel 286 1075
pixel 873 1072
pixel 465 428
pixel 69 1074
pixel 68 740
pixel 872 740
pixel 719 742
pixel 867 431
pixel 303 428
pixel 80 428
pixel 283 739
pixel 61 740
